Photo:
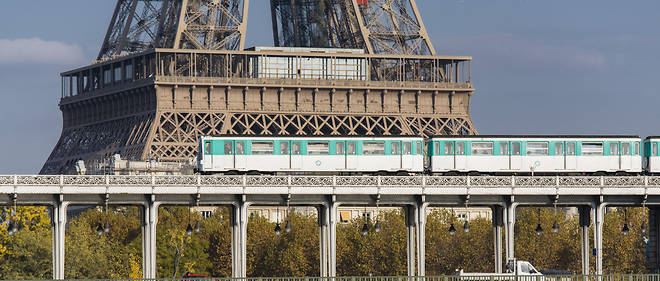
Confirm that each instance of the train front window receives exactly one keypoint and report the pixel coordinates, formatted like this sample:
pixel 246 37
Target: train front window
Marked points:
pixel 350 148
pixel 636 148
pixel 625 148
pixel 449 148
pixel 614 148
pixel 460 148
pixel 396 150
pixel 482 148
pixel 318 148
pixel 407 148
pixel 515 148
pixel 655 149
pixel 537 148
pixel 262 147
pixel 559 149
pixel 504 148
pixel 419 147
pixel 227 147
pixel 339 147
pixel 284 148
pixel 570 148
pixel 373 148
pixel 592 148
pixel 207 147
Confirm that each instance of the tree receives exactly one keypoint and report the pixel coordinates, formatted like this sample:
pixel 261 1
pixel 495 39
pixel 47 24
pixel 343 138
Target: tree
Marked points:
pixel 27 254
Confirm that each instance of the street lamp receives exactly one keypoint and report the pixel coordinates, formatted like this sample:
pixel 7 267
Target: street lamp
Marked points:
pixel 452 229
pixel 466 227
pixel 555 227
pixel 539 229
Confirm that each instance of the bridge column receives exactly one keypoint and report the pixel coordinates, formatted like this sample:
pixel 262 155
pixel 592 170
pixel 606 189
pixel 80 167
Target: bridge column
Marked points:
pixel 411 221
pixel 510 224
pixel 585 221
pixel 239 239
pixel 421 239
pixel 332 238
pixel 323 239
pixel 599 212
pixel 59 233
pixel 653 261
pixel 498 223
pixel 150 221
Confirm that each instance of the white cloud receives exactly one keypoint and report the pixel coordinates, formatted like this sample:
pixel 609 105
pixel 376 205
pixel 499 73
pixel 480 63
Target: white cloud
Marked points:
pixel 510 51
pixel 38 51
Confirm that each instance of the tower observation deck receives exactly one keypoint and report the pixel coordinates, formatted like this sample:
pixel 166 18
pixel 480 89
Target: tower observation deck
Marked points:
pixel 171 71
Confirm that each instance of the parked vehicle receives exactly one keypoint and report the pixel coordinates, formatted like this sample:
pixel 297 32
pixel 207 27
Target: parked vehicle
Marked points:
pixel 515 270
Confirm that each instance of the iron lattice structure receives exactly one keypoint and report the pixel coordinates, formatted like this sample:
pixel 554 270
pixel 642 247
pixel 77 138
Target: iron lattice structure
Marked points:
pixel 170 74
pixel 138 25
pixel 377 26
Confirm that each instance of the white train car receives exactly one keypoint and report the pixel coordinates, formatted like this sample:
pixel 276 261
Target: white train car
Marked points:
pixel 311 154
pixel 651 156
pixel 536 154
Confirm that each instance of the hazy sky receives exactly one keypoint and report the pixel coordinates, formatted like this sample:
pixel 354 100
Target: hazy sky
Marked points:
pixel 539 66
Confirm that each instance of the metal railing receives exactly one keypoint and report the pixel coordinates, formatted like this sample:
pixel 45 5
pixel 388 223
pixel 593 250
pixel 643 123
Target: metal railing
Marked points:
pixel 468 277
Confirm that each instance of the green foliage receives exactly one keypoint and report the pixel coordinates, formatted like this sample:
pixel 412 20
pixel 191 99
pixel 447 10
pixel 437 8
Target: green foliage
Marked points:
pixel 28 253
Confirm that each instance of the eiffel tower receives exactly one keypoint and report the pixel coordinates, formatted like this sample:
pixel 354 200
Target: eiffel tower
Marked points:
pixel 170 71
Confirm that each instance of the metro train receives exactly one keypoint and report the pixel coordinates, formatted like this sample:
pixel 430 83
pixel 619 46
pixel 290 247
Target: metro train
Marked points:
pixel 441 155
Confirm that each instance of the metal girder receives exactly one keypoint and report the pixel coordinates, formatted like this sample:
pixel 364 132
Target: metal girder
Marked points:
pixel 138 25
pixel 378 27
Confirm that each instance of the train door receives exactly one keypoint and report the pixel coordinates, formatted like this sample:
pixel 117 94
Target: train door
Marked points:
pixel 285 149
pixel 406 155
pixel 626 159
pixel 615 156
pixel 560 153
pixel 229 157
pixel 240 160
pixel 460 157
pixel 570 155
pixel 207 156
pixel 505 152
pixel 296 155
pixel 515 159
pixel 352 160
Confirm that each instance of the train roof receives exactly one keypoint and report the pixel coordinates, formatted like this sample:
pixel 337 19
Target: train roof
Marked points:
pixel 652 137
pixel 312 136
pixel 543 136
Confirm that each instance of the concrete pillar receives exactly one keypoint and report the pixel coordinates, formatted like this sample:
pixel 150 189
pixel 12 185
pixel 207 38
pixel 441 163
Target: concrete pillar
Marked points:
pixel 59 233
pixel 411 219
pixel 239 239
pixel 323 239
pixel 599 213
pixel 585 221
pixel 498 223
pixel 150 221
pixel 332 238
pixel 421 239
pixel 510 224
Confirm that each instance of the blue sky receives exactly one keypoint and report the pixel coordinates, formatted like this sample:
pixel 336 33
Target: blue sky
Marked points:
pixel 539 67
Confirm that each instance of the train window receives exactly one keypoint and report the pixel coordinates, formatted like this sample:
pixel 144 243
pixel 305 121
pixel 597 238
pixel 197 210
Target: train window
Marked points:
pixel 396 149
pixel 655 149
pixel 318 148
pixel 373 148
pixel 515 148
pixel 614 149
pixel 419 147
pixel 625 148
pixel 407 148
pixel 504 148
pixel 636 148
pixel 570 148
pixel 262 148
pixel 240 148
pixel 295 148
pixel 592 148
pixel 228 146
pixel 559 148
pixel 460 148
pixel 207 147
pixel 339 147
pixel 284 148
pixel 537 148
pixel 482 148
pixel 449 148
pixel 350 148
